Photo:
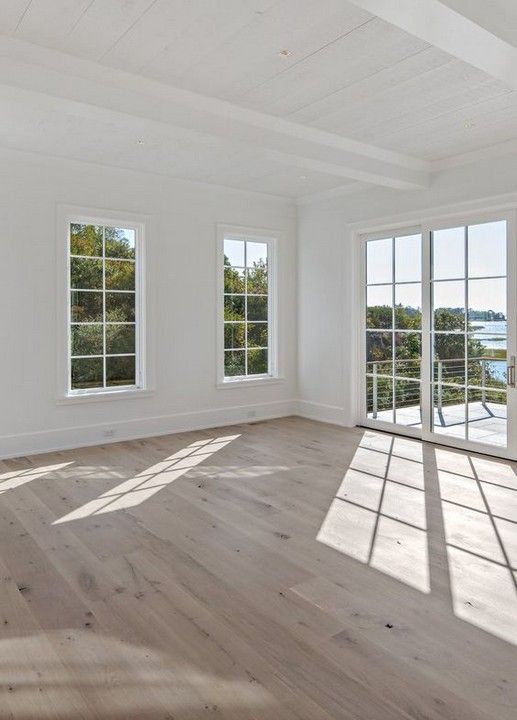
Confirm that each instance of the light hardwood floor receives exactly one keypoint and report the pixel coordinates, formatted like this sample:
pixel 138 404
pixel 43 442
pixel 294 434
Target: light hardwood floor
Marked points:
pixel 276 571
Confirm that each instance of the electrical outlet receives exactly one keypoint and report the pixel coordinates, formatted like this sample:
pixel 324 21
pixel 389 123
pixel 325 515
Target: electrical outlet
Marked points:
pixel 252 413
pixel 109 433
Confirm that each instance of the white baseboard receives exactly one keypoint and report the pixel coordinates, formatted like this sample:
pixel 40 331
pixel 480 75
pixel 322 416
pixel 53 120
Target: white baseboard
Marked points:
pixel 323 413
pixel 68 438
pixel 101 434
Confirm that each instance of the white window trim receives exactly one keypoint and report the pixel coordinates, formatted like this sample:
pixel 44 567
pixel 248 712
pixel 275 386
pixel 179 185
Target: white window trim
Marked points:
pixel 66 215
pixel 271 237
pixel 361 384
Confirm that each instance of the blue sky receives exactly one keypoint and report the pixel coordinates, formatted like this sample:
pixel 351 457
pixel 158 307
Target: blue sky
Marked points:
pixel 486 257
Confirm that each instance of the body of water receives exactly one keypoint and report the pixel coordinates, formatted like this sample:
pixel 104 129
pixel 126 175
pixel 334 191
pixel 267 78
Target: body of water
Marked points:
pixel 491 333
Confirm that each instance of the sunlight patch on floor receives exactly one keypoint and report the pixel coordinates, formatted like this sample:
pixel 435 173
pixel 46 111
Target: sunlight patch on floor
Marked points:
pixel 479 506
pixel 379 518
pixel 136 490
pixel 378 515
pixel 17 478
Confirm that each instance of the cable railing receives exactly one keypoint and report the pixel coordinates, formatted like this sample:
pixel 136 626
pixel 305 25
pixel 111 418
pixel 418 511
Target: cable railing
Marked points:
pixel 448 373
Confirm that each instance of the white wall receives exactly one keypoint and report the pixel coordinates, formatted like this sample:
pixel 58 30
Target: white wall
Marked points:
pixel 316 338
pixel 325 295
pixel 181 255
pixel 327 272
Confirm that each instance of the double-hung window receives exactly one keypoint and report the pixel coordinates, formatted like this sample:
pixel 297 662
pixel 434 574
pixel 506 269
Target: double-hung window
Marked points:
pixel 247 331
pixel 104 316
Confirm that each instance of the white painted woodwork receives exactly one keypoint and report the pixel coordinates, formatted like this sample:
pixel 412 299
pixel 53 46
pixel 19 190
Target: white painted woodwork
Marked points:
pixel 370 72
pixel 436 23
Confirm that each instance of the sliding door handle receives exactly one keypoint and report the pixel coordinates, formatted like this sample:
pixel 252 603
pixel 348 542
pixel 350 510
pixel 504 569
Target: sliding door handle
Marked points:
pixel 511 372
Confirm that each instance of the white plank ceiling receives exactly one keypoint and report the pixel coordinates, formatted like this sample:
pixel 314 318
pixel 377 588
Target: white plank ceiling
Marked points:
pixel 327 64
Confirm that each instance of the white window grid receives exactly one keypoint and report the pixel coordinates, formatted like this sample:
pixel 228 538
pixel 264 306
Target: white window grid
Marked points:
pixel 104 323
pixel 245 321
pixel 393 330
pixel 467 386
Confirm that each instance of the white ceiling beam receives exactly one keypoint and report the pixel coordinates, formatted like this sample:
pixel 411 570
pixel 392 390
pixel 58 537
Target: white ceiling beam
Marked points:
pixel 448 30
pixel 74 80
pixel 338 191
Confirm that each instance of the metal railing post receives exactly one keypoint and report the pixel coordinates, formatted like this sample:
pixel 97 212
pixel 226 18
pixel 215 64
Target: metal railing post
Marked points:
pixel 374 389
pixel 439 383
pixel 483 381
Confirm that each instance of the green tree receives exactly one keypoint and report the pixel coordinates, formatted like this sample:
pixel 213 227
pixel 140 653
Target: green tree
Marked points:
pixel 449 348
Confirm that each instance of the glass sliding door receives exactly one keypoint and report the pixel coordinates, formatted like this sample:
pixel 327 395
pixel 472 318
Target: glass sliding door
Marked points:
pixel 440 337
pixel 469 334
pixel 394 329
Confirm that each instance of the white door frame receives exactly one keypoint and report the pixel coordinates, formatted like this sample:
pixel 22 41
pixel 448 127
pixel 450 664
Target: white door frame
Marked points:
pixel 435 222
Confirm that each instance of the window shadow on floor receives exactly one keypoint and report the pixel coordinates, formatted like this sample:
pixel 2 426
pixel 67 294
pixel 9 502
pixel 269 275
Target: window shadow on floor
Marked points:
pixel 438 520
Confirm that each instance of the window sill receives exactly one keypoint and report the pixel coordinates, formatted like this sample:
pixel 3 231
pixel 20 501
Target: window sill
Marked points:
pixel 104 396
pixel 251 382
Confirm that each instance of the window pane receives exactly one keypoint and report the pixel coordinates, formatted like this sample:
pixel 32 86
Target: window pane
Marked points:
pixel 257 335
pixel 120 339
pixel 120 371
pixel 449 411
pixel 487 249
pixel 449 305
pixel 408 354
pixel 379 352
pixel 487 373
pixel 234 252
pixel 95 307
pixel 449 253
pixel 256 254
pixel 408 258
pixel 487 419
pixel 120 307
pixel 489 345
pixel 257 362
pixel 86 273
pixel 379 398
pixel 449 358
pixel 120 275
pixel 407 403
pixel 234 335
pixel 257 280
pixel 487 300
pixel 233 280
pixel 86 306
pixel 234 363
pixel 257 308
pixel 379 301
pixel 120 243
pixel 379 261
pixel 87 340
pixel 408 306
pixel 87 373
pixel 85 239
pixel 234 307
pixel 487 363
pixel 246 308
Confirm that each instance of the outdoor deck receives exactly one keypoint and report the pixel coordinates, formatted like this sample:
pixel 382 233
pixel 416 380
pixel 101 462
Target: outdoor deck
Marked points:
pixel 486 421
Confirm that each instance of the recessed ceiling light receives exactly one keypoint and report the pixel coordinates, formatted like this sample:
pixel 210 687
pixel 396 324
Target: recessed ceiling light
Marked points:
pixel 139 141
pixel 284 53
pixel 303 177
pixel 468 124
